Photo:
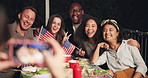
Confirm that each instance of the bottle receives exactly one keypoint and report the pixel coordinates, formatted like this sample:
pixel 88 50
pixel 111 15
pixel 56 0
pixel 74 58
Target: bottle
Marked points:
pixel 77 71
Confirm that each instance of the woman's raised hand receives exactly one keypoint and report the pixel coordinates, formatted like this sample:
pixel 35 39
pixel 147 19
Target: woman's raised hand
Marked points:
pixel 66 37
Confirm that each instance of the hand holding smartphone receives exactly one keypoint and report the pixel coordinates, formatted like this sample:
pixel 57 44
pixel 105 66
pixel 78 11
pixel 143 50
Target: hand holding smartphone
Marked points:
pixel 28 52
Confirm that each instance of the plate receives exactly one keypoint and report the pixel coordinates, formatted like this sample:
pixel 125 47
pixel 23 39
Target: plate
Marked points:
pixel 35 72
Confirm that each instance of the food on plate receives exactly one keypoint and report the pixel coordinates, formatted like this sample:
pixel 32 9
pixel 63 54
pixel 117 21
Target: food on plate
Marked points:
pixel 83 60
pixel 91 70
pixel 30 70
pixel 99 72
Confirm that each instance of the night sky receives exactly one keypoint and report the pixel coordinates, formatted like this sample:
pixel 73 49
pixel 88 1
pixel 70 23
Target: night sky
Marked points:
pixel 131 14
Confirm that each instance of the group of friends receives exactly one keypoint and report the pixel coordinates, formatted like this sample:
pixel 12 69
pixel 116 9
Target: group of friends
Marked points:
pixel 101 42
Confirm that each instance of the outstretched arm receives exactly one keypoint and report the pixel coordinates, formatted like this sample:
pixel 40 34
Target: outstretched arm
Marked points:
pixel 55 62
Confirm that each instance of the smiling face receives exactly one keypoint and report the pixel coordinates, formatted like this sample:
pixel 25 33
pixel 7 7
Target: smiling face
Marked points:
pixel 76 13
pixel 90 28
pixel 110 33
pixel 27 18
pixel 56 25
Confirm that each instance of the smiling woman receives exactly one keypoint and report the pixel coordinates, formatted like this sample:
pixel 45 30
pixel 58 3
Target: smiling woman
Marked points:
pixel 56 26
pixel 90 28
pixel 123 59
pixel 89 37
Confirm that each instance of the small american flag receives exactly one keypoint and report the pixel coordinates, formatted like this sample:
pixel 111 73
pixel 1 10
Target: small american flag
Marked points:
pixel 44 34
pixel 68 47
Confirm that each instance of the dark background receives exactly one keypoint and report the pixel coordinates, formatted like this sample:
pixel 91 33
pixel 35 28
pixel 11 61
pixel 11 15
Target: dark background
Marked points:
pixel 131 14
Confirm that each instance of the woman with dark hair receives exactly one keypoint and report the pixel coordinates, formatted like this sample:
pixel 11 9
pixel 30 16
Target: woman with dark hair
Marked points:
pixel 89 38
pixel 122 59
pixel 120 37
pixel 56 27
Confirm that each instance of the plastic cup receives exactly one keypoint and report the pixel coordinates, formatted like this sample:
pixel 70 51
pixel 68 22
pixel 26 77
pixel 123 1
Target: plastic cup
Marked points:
pixel 67 58
pixel 72 63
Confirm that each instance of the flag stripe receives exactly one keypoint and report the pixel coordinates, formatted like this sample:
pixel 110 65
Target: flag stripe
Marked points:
pixel 68 48
pixel 45 35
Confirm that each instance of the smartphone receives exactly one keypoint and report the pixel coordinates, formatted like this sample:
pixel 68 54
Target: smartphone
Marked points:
pixel 28 52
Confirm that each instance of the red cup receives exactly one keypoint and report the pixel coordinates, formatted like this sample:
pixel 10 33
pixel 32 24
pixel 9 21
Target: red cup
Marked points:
pixel 72 63
pixel 67 58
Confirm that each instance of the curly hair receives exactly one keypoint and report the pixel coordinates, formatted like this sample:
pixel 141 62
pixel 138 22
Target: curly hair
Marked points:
pixel 83 37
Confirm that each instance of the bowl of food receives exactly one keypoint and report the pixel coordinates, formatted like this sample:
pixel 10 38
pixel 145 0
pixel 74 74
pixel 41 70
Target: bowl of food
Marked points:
pixel 35 72
pixel 83 60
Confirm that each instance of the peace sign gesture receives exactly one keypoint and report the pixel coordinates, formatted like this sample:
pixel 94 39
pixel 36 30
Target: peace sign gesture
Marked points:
pixel 66 37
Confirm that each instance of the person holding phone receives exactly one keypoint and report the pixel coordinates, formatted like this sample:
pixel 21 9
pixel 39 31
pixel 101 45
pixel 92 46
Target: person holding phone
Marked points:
pixel 4 62
pixel 52 62
pixel 55 62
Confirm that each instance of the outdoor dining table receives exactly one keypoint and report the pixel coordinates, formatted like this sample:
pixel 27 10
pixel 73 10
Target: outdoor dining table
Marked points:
pixel 69 74
pixel 88 70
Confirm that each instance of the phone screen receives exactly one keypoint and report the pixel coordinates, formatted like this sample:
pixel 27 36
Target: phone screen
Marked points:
pixel 30 53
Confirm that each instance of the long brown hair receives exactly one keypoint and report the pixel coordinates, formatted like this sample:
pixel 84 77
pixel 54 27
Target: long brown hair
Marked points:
pixel 60 33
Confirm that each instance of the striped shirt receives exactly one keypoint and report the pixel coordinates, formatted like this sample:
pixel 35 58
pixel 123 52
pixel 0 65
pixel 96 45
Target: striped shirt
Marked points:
pixel 88 47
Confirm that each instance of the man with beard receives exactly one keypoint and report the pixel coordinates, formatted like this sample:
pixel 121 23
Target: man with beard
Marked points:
pixel 21 29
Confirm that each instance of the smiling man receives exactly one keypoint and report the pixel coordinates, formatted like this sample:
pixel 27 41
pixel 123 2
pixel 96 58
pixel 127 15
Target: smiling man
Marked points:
pixel 76 19
pixel 76 12
pixel 21 29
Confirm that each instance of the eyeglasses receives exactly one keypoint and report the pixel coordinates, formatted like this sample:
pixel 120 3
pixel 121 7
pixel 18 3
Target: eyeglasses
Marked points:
pixel 110 20
pixel 75 10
